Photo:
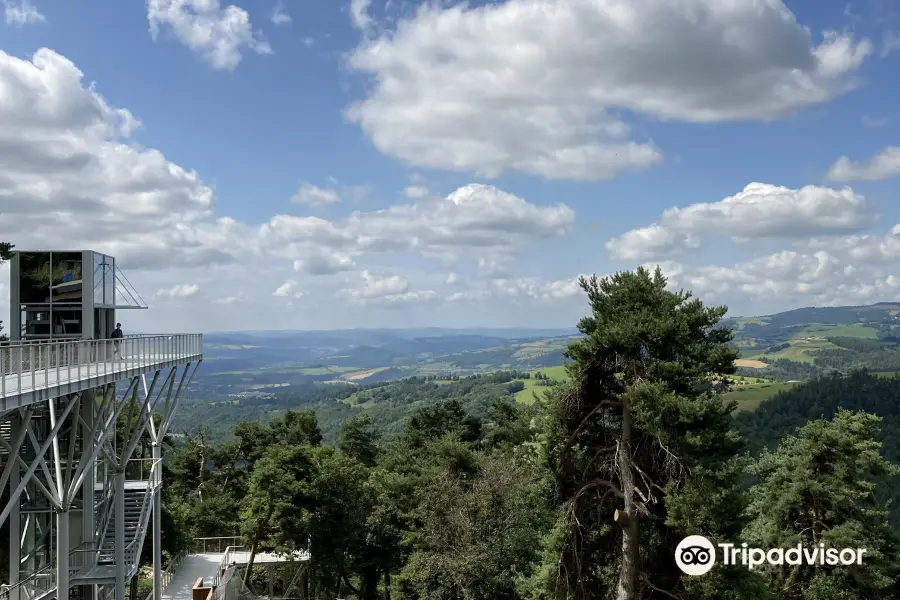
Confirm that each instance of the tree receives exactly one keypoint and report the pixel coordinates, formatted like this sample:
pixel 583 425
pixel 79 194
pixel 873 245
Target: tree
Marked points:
pixel 641 443
pixel 6 252
pixel 818 487
pixel 477 536
pixel 359 440
pixel 276 487
pixel 515 386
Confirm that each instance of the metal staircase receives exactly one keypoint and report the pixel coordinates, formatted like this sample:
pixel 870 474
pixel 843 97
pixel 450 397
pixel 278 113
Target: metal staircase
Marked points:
pixel 136 500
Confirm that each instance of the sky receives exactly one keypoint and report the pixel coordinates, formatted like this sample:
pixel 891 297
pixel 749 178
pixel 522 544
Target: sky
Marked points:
pixel 318 164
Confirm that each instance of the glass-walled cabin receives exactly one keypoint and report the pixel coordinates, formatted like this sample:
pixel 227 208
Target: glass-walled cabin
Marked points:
pixel 62 295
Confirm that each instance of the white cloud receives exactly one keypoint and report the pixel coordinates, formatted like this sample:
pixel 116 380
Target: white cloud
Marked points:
pixel 288 289
pixel 312 195
pixel 473 218
pixel 359 14
pixel 788 279
pixel 324 263
pixel 384 289
pixel 219 35
pixel 416 191
pixel 71 163
pixel 649 242
pixel 537 86
pixel 376 285
pixel 21 12
pixel 279 14
pixel 883 165
pixel 181 290
pixel 759 211
pixel 68 158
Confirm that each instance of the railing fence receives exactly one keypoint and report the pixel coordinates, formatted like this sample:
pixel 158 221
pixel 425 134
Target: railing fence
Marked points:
pixel 27 365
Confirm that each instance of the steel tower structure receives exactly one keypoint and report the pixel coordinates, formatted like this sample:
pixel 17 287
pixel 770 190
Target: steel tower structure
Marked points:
pixel 78 492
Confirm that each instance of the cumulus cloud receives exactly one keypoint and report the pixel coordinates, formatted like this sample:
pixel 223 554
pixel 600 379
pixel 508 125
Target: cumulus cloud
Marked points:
pixel 219 35
pixel 21 12
pixel 385 289
pixel 288 289
pixel 181 290
pixel 71 161
pixel 521 289
pixel 416 191
pixel 884 165
pixel 359 14
pixel 324 263
pixel 68 158
pixel 789 278
pixel 538 86
pixel 313 195
pixel 759 211
pixel 474 217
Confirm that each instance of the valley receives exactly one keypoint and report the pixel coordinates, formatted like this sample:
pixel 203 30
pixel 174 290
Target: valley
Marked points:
pixel 255 373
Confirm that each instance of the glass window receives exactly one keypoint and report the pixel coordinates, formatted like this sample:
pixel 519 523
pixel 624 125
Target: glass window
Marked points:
pixel 67 277
pixel 109 293
pixel 34 277
pixel 104 279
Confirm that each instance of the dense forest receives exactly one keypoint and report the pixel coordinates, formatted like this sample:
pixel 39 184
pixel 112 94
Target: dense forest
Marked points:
pixel 466 494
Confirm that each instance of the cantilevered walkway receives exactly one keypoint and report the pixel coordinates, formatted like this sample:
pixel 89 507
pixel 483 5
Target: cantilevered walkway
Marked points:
pixel 35 371
pixel 215 568
pixel 60 407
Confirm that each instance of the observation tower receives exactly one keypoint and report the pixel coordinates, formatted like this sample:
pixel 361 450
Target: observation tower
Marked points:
pixel 78 494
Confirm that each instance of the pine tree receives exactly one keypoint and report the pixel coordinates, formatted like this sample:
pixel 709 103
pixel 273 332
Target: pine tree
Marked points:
pixel 642 446
pixel 818 487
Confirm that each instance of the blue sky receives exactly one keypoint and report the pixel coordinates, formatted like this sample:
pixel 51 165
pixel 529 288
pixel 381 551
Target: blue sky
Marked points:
pixel 454 165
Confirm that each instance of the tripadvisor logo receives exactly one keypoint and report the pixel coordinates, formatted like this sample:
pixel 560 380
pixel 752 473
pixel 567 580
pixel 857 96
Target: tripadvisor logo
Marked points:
pixel 696 555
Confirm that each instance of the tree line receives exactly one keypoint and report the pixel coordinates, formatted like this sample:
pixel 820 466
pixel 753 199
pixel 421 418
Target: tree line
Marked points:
pixel 585 496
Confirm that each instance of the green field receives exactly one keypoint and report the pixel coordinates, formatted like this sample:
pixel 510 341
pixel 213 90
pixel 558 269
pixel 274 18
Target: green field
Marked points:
pixel 327 370
pixel 886 374
pixel 742 322
pixel 532 391
pixel 749 397
pixel 826 330
pixel 801 350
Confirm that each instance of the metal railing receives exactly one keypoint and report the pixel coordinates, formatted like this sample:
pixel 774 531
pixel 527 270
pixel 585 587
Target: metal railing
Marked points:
pixel 25 366
pixel 215 545
pixel 143 469
pixel 38 584
pixel 168 573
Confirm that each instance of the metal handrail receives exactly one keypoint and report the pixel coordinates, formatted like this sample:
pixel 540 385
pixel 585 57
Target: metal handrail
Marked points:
pixel 133 549
pixel 31 365
pixel 168 573
pixel 43 579
pixel 217 541
pixel 154 475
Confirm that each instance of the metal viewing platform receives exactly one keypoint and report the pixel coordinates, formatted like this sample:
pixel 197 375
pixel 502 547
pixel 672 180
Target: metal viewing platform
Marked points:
pixel 84 411
pixel 36 371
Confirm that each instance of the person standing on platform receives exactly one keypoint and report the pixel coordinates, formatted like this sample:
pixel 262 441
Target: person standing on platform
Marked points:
pixel 117 335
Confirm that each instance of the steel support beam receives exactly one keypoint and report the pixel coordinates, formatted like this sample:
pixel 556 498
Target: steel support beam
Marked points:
pixel 62 554
pixel 157 530
pixel 15 535
pixel 119 515
pixel 14 496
